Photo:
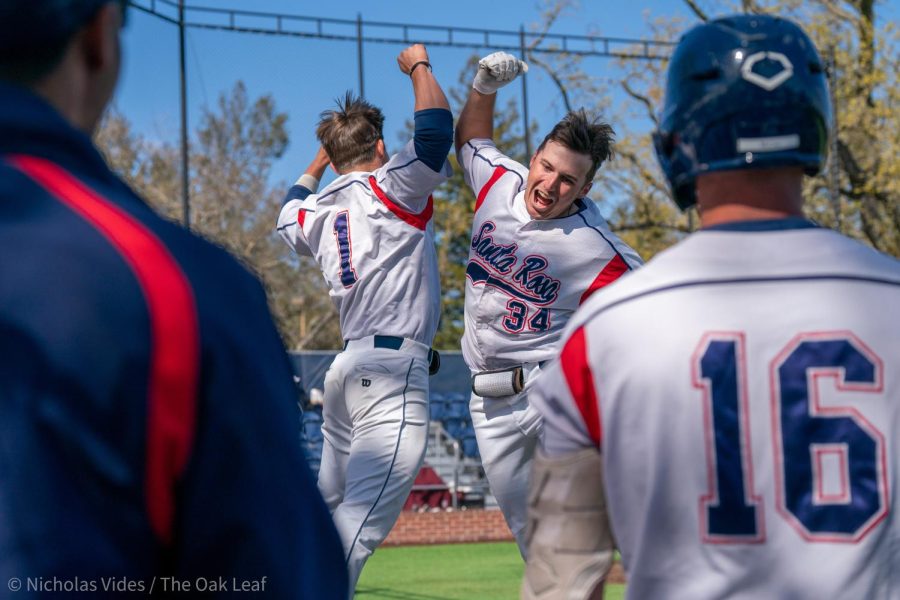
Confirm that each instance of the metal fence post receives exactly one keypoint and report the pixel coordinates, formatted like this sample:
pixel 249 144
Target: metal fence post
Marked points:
pixel 525 131
pixel 834 181
pixel 359 54
pixel 185 163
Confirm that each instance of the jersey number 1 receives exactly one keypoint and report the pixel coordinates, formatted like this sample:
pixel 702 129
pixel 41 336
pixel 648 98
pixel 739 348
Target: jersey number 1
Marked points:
pixel 342 237
pixel 805 436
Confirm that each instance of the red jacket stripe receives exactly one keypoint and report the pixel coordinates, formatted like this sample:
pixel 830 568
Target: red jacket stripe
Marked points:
pixel 419 221
pixel 497 174
pixel 581 383
pixel 612 271
pixel 175 347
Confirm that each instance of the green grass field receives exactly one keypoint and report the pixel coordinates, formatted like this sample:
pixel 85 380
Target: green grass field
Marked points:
pixel 448 572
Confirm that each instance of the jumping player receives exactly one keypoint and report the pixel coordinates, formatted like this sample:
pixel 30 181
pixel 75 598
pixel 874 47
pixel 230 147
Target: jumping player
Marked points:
pixel 539 249
pixel 370 232
pixel 145 396
pixel 739 397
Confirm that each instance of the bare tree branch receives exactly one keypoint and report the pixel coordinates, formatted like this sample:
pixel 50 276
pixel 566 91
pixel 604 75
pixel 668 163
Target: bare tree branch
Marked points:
pixel 320 322
pixel 697 10
pixel 645 175
pixel 642 99
pixel 839 13
pixel 532 58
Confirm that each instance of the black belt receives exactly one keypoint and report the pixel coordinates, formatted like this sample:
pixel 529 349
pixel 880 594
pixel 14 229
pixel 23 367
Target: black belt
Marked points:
pixel 391 342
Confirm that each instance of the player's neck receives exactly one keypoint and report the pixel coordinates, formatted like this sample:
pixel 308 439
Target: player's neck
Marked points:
pixel 749 195
pixel 366 167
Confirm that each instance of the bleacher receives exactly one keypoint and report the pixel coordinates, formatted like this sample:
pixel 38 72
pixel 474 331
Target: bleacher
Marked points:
pixel 452 449
pixel 311 438
pixel 450 409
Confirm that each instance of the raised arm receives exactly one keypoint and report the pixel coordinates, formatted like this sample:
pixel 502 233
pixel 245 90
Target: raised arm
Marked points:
pixel 310 179
pixel 477 117
pixel 414 62
pixel 433 135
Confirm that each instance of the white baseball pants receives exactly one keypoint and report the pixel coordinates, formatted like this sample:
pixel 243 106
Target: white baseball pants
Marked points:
pixel 507 430
pixel 375 424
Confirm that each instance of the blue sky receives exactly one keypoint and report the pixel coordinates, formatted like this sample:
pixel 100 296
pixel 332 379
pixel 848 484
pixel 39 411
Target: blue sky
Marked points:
pixel 305 75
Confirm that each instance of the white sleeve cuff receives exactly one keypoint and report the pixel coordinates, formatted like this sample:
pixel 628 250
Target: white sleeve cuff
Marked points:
pixel 309 182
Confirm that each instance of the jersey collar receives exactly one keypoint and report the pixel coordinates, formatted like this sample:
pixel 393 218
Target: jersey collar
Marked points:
pixel 765 225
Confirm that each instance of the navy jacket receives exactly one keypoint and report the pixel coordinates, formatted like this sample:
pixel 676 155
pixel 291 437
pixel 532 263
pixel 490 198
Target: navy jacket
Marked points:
pixel 147 410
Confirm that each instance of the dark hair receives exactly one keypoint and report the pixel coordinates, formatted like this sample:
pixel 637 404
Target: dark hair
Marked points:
pixel 584 135
pixel 35 34
pixel 350 134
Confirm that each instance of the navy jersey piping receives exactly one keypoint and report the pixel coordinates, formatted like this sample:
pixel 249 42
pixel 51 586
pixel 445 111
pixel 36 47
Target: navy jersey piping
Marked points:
pixel 712 282
pixel 477 150
pixel 580 215
pixel 399 167
pixel 765 225
pixel 362 183
pixel 390 469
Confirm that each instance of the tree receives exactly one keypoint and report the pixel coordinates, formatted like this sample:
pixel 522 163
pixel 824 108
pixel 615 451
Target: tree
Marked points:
pixel 859 193
pixel 232 204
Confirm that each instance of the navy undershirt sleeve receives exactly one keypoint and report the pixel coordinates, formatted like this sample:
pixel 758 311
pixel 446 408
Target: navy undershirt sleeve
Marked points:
pixel 433 137
pixel 297 192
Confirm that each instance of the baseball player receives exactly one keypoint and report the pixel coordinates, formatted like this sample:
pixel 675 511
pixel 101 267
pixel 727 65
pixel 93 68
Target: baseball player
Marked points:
pixel 539 249
pixel 370 232
pixel 734 406
pixel 148 418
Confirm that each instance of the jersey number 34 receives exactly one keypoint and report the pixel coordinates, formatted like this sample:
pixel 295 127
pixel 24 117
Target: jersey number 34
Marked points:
pixel 830 467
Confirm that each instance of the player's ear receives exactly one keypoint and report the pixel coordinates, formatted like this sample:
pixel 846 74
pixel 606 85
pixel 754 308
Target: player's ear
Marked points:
pixel 584 191
pixel 380 150
pixel 99 40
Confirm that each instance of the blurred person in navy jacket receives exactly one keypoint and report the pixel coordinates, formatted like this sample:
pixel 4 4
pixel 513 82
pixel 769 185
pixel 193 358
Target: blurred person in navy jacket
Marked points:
pixel 147 413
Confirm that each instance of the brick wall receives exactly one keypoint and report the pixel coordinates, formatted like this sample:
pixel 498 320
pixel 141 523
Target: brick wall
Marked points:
pixel 449 527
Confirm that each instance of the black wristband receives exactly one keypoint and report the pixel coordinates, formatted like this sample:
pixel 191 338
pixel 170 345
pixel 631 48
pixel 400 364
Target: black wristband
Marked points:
pixel 421 62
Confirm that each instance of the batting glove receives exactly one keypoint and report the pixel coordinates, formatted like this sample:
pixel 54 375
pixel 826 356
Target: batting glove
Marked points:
pixel 496 70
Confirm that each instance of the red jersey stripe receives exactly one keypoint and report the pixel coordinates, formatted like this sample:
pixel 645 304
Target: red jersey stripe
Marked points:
pixel 612 271
pixel 419 221
pixel 580 380
pixel 175 348
pixel 497 174
pixel 301 217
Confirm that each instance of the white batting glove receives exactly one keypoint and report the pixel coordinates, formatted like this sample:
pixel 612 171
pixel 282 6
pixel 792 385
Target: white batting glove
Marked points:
pixel 496 70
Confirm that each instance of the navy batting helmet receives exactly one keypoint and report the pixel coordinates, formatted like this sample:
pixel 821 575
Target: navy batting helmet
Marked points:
pixel 29 24
pixel 743 92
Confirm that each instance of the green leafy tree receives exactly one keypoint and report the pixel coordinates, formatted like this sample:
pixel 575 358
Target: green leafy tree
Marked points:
pixel 232 205
pixel 858 194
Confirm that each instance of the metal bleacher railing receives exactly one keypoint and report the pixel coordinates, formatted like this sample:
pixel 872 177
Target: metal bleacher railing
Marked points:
pixel 452 450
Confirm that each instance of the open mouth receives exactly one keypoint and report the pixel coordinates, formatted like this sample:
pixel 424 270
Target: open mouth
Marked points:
pixel 541 199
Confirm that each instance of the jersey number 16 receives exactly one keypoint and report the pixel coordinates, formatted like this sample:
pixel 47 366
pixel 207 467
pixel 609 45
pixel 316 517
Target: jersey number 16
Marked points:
pixel 806 435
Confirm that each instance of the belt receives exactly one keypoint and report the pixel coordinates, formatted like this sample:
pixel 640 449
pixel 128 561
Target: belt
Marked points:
pixel 391 342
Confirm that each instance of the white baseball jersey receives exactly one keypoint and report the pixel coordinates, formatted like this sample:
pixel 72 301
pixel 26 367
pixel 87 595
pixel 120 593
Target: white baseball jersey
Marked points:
pixel 744 391
pixel 372 235
pixel 526 277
